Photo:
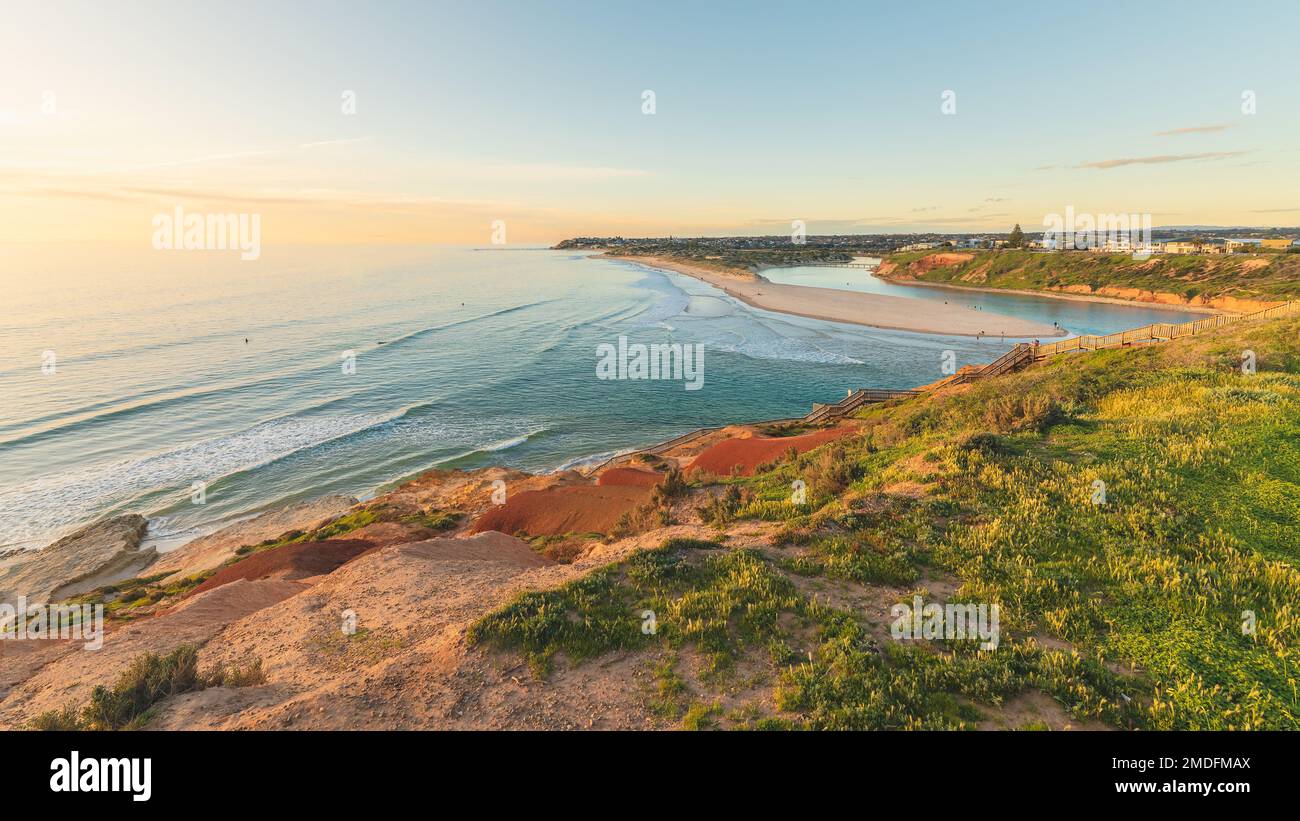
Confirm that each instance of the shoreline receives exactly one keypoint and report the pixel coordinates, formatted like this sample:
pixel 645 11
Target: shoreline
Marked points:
pixel 832 305
pixel 1069 297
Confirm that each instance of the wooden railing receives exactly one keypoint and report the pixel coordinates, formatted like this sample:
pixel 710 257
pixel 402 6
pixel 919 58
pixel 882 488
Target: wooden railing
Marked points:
pixel 1159 332
pixel 1021 354
pixel 855 400
pixel 865 265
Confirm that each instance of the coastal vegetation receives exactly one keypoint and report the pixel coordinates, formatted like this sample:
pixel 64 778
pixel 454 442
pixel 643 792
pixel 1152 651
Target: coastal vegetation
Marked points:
pixel 1263 277
pixel 129 703
pixel 1134 513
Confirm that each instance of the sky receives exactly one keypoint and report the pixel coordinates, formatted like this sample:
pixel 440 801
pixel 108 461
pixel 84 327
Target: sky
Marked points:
pixel 432 121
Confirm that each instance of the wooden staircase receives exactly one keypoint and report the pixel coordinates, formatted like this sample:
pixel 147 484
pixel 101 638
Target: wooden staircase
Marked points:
pixel 855 400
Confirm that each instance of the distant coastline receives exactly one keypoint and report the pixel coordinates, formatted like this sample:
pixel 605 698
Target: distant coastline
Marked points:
pixel 871 310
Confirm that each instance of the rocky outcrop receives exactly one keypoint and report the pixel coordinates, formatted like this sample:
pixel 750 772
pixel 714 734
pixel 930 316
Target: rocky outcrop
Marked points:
pixel 96 555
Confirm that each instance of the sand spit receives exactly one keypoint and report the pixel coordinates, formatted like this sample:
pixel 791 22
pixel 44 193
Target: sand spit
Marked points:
pixel 873 310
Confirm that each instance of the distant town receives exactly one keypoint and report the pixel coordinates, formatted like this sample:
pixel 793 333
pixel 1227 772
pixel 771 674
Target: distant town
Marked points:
pixel 1170 240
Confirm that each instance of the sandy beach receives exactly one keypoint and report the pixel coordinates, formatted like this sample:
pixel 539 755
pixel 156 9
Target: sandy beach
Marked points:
pixel 873 310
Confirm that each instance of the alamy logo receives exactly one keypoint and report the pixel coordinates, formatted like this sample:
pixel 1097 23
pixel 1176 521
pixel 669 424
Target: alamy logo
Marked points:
pixel 68 622
pixel 129 775
pixel 655 361
pixel 946 621
pixel 180 231
pixel 1118 233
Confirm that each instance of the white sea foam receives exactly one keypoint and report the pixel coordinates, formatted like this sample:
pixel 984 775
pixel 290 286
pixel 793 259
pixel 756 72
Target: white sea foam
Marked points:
pixel 54 503
pixel 590 460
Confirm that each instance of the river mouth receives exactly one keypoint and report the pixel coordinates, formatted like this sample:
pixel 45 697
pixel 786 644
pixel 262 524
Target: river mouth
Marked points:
pixel 159 406
pixel 1081 317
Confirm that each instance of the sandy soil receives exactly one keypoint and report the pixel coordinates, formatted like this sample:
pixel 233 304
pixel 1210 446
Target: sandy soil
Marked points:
pixel 629 477
pixel 874 310
pixel 559 510
pixel 65 673
pixel 409 665
pixel 748 453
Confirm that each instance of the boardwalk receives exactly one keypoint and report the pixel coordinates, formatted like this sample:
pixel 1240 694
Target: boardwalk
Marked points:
pixel 863 265
pixel 1160 332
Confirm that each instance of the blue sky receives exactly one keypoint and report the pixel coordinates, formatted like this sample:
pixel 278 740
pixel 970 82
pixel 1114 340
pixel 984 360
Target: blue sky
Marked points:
pixel 531 113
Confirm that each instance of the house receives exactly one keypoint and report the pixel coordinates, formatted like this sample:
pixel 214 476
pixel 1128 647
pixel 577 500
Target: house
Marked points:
pixel 1277 244
pixel 1241 246
pixel 1214 246
pixel 1182 246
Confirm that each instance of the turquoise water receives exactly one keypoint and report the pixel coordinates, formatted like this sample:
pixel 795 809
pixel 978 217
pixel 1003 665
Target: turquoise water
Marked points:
pixel 1076 316
pixel 464 358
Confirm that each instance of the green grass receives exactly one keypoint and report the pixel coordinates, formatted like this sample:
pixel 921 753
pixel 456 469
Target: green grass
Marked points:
pixel 1186 275
pixel 1148 593
pixel 716 601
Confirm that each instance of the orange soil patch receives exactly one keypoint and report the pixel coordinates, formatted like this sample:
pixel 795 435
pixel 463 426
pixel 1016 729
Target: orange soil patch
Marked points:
pixel 749 453
pixel 932 261
pixel 629 477
pixel 559 510
pixel 295 561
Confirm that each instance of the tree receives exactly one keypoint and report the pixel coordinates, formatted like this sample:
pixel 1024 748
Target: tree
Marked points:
pixel 1017 238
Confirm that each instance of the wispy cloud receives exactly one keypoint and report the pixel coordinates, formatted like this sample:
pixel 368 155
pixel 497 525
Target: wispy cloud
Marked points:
pixel 234 155
pixel 782 224
pixel 961 220
pixel 1161 158
pixel 323 143
pixel 238 155
pixel 547 172
pixel 1193 129
pixel 324 198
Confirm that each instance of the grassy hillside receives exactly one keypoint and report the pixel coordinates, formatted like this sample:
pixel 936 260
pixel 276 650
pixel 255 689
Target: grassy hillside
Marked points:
pixel 1129 613
pixel 1257 277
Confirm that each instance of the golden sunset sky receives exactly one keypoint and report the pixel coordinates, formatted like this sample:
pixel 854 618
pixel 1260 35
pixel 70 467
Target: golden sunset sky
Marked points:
pixel 466 113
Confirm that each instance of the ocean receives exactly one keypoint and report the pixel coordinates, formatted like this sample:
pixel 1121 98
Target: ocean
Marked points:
pixel 152 381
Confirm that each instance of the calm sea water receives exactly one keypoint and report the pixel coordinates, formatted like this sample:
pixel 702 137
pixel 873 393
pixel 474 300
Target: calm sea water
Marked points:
pixel 1078 317
pixel 184 367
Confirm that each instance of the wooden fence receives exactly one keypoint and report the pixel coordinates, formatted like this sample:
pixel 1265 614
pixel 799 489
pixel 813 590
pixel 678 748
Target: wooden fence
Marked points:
pixel 1159 332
